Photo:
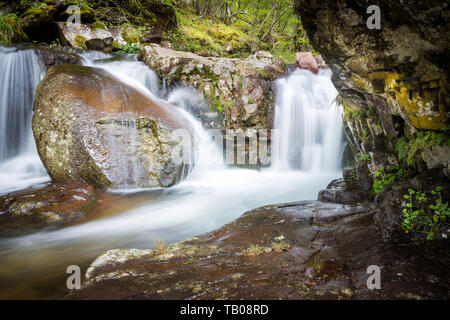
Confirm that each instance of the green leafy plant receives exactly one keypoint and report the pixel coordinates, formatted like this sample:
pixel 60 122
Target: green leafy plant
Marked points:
pixel 425 219
pixel 384 178
pixel 364 157
pixel 129 48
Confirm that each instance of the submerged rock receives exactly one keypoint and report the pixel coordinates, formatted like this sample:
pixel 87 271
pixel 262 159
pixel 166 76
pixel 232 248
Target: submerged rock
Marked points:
pixel 239 89
pixel 304 250
pixel 91 127
pixel 305 60
pixel 56 203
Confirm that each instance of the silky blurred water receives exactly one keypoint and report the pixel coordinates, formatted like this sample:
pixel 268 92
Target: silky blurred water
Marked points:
pixel 33 265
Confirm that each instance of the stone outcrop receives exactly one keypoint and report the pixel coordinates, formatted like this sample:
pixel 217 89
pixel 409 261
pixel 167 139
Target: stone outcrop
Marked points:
pixel 393 84
pixel 345 192
pixel 58 203
pixel 305 250
pixel 393 81
pixel 240 89
pixel 90 127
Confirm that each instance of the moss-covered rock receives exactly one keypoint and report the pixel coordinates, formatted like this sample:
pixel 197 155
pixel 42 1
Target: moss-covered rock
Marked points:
pixel 400 71
pixel 131 36
pixel 38 16
pixel 11 30
pixel 80 41
pixel 90 127
pixel 86 13
pixel 240 89
pixel 99 25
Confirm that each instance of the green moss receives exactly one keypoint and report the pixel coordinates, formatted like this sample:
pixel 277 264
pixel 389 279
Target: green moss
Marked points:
pixel 38 13
pixel 401 147
pixel 98 25
pixel 10 29
pixel 80 41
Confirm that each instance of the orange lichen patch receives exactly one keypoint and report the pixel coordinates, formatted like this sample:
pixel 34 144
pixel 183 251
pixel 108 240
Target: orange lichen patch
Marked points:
pixel 423 110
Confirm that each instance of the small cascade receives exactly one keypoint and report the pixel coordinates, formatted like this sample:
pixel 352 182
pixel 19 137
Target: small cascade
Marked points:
pixel 20 166
pixel 308 123
pixel 208 153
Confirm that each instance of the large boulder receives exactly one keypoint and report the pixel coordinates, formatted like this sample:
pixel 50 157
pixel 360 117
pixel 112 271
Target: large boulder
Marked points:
pixel 91 127
pixel 239 89
pixel 393 81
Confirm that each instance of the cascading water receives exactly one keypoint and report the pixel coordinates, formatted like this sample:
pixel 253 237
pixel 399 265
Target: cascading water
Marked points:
pixel 20 166
pixel 308 121
pixel 211 196
pixel 126 68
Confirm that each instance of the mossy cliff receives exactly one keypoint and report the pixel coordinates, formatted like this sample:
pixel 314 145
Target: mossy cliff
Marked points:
pixel 128 21
pixel 393 81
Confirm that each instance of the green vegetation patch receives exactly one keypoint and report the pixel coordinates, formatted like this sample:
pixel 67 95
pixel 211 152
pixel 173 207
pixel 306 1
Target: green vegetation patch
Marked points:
pixel 10 29
pixel 425 213
pixel 408 148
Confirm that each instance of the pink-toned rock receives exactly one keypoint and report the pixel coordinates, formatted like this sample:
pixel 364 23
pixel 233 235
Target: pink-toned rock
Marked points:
pixel 320 62
pixel 305 60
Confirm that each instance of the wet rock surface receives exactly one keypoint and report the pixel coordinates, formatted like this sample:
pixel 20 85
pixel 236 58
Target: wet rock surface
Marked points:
pixel 304 250
pixel 339 191
pixel 241 90
pixel 59 203
pixel 92 128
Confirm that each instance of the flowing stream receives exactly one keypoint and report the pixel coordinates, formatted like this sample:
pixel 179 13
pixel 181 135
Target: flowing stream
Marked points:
pixel 307 158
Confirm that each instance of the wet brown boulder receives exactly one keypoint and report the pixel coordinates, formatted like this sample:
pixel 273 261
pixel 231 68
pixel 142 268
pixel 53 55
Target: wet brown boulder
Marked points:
pixel 91 127
pixel 240 90
pixel 55 203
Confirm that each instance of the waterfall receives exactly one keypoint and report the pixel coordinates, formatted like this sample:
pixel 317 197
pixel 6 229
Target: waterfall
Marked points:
pixel 126 68
pixel 20 166
pixel 309 133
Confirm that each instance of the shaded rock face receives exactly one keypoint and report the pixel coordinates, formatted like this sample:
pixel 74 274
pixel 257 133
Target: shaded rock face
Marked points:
pixel 305 250
pixel 393 81
pixel 57 56
pixel 241 90
pixel 90 127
